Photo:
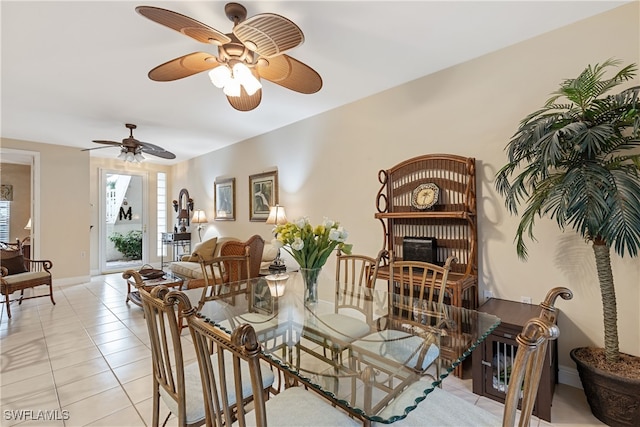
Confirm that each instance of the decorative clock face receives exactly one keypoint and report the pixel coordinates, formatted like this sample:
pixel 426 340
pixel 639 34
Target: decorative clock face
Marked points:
pixel 425 196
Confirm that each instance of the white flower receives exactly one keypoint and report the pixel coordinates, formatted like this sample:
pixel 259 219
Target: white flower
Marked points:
pixel 297 244
pixel 338 234
pixel 327 223
pixel 301 222
pixel 277 243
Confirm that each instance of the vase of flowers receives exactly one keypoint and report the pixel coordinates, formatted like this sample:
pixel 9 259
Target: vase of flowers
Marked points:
pixel 311 246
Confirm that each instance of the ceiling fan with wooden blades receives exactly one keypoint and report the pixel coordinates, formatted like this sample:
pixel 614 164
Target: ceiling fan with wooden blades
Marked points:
pixel 131 149
pixel 254 50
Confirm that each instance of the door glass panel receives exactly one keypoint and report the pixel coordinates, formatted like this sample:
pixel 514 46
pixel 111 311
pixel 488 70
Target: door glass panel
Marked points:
pixel 123 243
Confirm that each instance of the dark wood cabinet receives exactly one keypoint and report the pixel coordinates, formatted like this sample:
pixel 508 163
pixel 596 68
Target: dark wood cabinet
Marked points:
pixel 491 360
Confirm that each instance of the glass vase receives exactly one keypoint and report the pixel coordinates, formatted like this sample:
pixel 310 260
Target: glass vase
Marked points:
pixel 310 278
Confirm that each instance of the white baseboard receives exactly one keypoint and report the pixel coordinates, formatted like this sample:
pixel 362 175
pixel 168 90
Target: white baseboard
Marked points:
pixel 569 376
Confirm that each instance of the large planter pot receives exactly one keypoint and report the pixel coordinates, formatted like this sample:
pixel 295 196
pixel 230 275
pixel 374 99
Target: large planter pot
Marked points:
pixel 613 399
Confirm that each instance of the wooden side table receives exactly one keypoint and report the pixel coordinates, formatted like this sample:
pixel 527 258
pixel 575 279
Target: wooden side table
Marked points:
pixel 491 361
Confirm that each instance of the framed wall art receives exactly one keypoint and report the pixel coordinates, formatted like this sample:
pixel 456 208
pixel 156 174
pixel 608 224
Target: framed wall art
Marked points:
pixel 263 192
pixel 224 194
pixel 6 192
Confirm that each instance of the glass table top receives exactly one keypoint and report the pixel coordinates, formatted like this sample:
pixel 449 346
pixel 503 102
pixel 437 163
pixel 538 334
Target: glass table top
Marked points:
pixel 378 356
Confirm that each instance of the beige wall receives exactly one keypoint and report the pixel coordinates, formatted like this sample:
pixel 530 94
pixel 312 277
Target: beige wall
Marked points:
pixel 19 176
pixel 328 166
pixel 61 221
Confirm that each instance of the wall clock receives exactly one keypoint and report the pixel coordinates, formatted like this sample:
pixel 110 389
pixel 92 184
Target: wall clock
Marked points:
pixel 425 196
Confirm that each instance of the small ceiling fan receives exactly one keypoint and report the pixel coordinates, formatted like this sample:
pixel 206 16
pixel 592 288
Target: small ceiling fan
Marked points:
pixel 131 149
pixel 254 50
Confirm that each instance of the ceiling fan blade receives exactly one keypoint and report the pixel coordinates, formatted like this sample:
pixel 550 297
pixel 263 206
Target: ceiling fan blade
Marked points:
pixel 245 102
pixel 150 146
pixel 183 66
pixel 155 150
pixel 163 154
pixel 183 24
pixel 271 34
pixel 292 74
pixel 99 141
pixel 96 148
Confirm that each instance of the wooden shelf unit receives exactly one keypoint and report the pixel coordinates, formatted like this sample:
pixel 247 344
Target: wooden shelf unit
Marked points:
pixel 452 220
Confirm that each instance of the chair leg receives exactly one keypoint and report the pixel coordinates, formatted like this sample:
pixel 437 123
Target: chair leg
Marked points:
pixel 21 296
pixel 156 405
pixel 6 299
pixel 51 293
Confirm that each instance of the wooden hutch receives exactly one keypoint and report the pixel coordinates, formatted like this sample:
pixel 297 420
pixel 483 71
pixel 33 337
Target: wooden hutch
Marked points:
pixel 451 220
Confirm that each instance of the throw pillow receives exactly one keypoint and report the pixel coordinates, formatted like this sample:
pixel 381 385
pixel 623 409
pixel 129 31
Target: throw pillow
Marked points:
pixel 204 249
pixel 14 264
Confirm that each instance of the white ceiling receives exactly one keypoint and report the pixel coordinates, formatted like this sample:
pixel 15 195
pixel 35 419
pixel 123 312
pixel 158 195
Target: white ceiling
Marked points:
pixel 76 71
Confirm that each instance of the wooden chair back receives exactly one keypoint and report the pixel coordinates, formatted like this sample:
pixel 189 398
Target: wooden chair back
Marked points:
pixel 230 350
pixel 255 245
pixel 418 287
pixel 166 346
pixel 220 272
pixel 355 275
pixel 527 366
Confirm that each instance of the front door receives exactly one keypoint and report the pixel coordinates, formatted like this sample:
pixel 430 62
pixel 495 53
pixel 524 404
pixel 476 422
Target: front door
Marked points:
pixel 123 237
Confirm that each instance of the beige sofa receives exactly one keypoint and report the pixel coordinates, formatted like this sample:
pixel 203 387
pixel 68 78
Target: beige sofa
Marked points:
pixel 189 268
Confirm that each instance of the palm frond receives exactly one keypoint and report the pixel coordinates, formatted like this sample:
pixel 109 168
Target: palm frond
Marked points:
pixel 567 161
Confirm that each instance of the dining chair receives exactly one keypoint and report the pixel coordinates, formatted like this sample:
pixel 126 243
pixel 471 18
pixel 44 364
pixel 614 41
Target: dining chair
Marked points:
pixel 415 316
pixel 441 408
pixel 352 316
pixel 176 383
pixel 218 272
pixel 292 406
pixel 255 245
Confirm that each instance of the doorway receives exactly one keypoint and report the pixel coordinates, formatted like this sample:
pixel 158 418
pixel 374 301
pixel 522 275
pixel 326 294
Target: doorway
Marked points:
pixel 123 236
pixel 19 219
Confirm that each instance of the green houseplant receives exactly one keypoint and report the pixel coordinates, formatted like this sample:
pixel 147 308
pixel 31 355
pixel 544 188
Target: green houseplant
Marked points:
pixel 129 245
pixel 576 160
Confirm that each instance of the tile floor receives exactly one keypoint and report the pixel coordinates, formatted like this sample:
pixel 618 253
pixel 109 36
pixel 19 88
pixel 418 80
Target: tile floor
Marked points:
pixel 86 362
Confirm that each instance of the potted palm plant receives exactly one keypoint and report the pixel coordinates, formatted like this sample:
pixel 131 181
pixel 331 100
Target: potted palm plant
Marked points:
pixel 577 161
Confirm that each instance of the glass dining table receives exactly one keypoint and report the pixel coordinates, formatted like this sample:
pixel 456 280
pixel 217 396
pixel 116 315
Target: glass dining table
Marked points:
pixel 367 359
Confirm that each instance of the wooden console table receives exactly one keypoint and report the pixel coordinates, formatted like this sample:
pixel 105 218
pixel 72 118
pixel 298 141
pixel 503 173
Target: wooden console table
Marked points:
pixel 180 245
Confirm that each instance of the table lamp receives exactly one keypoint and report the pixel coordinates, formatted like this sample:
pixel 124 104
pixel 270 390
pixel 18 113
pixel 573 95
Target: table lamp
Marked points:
pixel 277 216
pixel 199 217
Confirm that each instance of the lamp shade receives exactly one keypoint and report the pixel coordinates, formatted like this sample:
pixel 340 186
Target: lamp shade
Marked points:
pixel 277 216
pixel 28 226
pixel 199 217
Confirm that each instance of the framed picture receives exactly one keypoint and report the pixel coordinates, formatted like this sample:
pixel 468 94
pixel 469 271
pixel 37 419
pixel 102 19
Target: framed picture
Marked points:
pixel 263 193
pixel 6 192
pixel 224 199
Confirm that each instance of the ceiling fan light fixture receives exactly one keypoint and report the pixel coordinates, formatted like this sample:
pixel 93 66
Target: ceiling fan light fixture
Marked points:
pixel 139 157
pixel 243 74
pixel 123 154
pixel 232 88
pixel 220 76
pixel 258 43
pixel 231 78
